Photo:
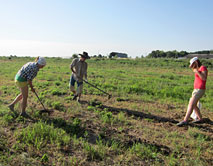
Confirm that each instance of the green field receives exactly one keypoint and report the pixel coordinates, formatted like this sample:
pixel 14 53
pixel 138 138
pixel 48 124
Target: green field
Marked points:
pixel 137 126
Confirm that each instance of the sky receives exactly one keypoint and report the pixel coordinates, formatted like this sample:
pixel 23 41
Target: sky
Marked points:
pixel 136 27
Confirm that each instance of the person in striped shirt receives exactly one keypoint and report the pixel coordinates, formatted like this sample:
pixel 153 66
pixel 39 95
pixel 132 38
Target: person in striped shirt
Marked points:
pixel 23 79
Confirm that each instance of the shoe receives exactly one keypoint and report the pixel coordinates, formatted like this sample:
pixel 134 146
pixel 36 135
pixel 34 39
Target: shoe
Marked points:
pixel 78 99
pixel 24 114
pixel 198 121
pixel 182 123
pixel 75 97
pixel 11 107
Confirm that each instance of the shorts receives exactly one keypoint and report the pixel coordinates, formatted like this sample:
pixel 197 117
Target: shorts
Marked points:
pixel 198 93
pixel 79 85
pixel 21 84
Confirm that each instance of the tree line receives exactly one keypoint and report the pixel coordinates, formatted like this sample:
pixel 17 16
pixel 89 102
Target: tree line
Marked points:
pixel 175 54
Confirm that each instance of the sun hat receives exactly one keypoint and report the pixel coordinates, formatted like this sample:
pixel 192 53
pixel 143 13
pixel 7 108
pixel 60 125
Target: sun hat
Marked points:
pixel 41 61
pixel 192 61
pixel 85 55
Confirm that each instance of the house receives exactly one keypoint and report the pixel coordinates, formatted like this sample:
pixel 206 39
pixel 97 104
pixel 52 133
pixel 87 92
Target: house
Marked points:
pixel 118 55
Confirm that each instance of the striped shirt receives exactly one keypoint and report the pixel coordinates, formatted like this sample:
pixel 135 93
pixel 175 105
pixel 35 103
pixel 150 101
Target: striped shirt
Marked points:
pixel 28 71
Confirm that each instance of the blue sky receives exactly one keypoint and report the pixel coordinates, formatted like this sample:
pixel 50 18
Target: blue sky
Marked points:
pixel 136 27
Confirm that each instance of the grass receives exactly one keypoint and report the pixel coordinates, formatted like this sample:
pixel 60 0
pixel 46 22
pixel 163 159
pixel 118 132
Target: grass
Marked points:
pixel 137 126
pixel 40 134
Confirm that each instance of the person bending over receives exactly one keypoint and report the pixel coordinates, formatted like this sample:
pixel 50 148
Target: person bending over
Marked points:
pixel 23 79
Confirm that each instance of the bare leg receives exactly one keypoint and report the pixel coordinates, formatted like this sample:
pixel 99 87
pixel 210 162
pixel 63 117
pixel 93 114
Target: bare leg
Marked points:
pixel 17 99
pixel 24 92
pixel 74 92
pixel 72 88
pixel 79 91
pixel 192 103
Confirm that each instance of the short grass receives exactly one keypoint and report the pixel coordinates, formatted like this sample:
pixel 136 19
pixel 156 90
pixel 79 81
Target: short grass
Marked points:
pixel 137 126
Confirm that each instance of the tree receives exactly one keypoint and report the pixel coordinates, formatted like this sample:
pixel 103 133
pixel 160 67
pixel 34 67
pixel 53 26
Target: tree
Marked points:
pixel 74 56
pixel 168 54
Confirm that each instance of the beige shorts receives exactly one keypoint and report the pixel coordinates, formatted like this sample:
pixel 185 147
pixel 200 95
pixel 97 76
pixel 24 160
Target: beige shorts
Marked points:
pixel 79 88
pixel 198 93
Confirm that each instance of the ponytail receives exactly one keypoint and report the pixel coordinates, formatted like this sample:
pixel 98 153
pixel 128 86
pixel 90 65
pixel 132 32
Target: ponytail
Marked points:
pixel 36 60
pixel 199 63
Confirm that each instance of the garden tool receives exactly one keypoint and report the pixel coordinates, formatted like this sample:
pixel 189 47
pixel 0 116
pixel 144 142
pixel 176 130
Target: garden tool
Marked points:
pixel 109 96
pixel 44 110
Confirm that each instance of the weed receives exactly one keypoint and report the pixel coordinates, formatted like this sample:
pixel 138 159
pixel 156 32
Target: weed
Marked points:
pixel 57 83
pixel 144 151
pixel 44 158
pixel 107 117
pixel 98 152
pixel 40 134
pixel 58 106
pixel 57 92
pixel 199 136
pixel 91 108
pixel 121 118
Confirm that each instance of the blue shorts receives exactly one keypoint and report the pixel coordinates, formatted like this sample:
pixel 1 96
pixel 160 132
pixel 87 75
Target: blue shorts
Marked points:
pixel 72 81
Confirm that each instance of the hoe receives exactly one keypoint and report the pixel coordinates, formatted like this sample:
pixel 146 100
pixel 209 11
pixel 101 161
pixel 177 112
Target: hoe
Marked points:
pixel 109 96
pixel 44 109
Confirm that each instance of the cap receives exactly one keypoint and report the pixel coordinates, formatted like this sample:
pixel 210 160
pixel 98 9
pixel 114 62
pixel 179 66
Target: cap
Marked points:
pixel 193 60
pixel 41 61
pixel 85 55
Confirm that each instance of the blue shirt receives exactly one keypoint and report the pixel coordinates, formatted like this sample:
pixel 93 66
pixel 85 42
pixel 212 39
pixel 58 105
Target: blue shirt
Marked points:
pixel 28 71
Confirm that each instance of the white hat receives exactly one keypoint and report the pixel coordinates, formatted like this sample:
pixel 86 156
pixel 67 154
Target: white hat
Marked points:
pixel 193 60
pixel 41 61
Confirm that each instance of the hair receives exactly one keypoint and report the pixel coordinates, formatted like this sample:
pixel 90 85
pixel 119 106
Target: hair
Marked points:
pixel 36 60
pixel 199 63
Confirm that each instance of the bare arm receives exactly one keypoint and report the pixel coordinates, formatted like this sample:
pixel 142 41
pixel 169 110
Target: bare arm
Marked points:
pixel 202 75
pixel 72 65
pixel 85 75
pixel 73 70
pixel 31 85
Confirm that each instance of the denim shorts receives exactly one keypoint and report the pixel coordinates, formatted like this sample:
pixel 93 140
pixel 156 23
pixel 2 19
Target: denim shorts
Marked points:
pixel 72 81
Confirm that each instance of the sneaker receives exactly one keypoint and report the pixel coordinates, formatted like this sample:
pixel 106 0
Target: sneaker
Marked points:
pixel 78 99
pixel 198 121
pixel 11 107
pixel 75 97
pixel 182 123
